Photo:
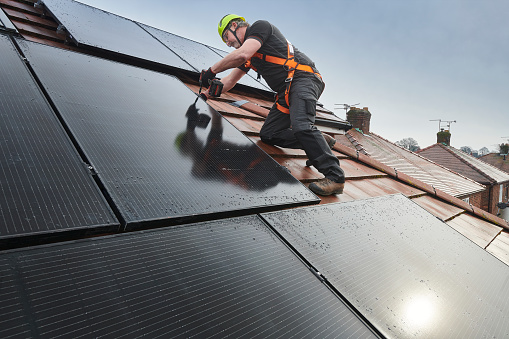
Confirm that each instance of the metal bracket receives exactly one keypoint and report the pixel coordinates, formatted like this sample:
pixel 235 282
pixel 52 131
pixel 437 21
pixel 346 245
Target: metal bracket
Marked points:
pixel 317 274
pixel 61 29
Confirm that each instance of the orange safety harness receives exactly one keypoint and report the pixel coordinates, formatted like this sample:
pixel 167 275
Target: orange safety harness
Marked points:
pixel 290 65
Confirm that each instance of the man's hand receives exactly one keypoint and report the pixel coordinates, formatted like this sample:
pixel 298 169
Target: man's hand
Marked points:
pixel 206 77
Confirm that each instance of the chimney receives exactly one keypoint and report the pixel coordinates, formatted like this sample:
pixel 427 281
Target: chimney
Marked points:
pixel 359 118
pixel 444 137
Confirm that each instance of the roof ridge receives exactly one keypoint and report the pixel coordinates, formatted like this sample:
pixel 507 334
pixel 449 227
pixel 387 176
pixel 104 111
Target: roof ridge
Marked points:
pixel 426 148
pixel 492 180
pixel 431 161
pixel 357 144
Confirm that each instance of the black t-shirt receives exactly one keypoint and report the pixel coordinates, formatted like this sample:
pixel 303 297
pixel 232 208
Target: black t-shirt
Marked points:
pixel 274 43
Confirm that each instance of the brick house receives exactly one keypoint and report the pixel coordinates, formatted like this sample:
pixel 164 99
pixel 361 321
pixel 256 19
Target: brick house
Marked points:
pixel 496 180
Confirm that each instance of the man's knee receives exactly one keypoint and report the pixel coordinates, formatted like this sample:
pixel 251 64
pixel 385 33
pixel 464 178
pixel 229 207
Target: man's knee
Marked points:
pixel 264 135
pixel 266 139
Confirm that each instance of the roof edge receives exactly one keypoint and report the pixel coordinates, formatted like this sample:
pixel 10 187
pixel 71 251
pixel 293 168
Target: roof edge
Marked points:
pixel 435 163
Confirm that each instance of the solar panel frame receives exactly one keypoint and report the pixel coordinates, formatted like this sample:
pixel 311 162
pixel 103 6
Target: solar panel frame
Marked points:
pixel 407 272
pixel 46 191
pixel 213 279
pixel 98 29
pixel 133 126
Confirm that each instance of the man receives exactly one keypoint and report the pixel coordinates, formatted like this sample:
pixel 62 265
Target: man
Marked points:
pixel 293 76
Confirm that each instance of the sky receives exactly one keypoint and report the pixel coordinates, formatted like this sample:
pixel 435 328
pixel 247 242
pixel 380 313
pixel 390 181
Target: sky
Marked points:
pixel 408 61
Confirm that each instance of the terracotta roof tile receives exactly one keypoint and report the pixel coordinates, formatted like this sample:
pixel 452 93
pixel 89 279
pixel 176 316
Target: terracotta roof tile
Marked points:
pixel 438 208
pixel 500 247
pixel 482 233
pixel 414 165
pixel 497 161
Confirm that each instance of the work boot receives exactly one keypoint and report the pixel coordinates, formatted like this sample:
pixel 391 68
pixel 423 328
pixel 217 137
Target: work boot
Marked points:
pixel 330 141
pixel 326 187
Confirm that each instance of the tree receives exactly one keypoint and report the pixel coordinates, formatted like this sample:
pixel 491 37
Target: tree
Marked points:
pixel 503 148
pixel 466 149
pixel 408 143
pixel 483 151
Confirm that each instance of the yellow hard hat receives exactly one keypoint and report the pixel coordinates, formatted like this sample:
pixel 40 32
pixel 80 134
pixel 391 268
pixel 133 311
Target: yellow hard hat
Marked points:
pixel 225 21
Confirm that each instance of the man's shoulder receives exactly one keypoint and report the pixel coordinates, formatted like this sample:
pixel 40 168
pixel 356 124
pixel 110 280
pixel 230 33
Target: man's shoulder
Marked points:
pixel 261 25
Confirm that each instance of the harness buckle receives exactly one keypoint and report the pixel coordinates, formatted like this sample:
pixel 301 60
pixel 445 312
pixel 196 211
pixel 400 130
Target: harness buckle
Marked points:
pixel 289 79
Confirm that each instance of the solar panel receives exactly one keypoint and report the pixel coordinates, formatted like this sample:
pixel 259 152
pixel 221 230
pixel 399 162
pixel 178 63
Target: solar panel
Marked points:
pixel 160 155
pixel 99 29
pixel 226 278
pixel 45 189
pixel 407 272
pixel 197 55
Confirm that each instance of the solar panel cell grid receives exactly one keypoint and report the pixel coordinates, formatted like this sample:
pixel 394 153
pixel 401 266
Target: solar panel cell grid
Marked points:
pixel 410 274
pixel 225 278
pixel 44 186
pixel 93 27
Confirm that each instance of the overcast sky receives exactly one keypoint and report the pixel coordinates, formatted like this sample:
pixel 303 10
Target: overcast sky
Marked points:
pixel 408 61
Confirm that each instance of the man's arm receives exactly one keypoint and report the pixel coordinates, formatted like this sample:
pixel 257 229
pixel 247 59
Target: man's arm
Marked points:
pixel 237 57
pixel 231 79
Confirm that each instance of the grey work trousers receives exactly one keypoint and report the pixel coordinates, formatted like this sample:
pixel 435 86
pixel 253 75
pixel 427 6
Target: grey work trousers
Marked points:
pixel 297 129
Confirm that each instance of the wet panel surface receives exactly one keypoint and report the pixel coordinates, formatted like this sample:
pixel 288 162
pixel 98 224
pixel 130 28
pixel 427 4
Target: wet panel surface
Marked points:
pixel 44 186
pixel 160 154
pixel 97 28
pixel 227 278
pixel 410 274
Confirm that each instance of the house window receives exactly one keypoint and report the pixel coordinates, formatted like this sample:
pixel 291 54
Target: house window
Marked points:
pixel 501 189
pixel 467 200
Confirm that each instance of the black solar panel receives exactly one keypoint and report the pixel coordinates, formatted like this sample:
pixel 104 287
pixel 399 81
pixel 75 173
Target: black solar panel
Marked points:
pixel 409 273
pixel 227 278
pixel 157 156
pixel 45 189
pixel 197 55
pixel 96 28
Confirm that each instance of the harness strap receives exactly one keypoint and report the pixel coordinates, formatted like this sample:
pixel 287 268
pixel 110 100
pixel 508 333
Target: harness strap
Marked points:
pixel 290 65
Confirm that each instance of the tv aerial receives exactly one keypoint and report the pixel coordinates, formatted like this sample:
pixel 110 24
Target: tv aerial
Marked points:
pixel 444 122
pixel 346 107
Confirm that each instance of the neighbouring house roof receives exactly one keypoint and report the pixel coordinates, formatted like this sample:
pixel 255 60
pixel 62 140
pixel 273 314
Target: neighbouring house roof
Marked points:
pixel 465 164
pixel 184 250
pixel 497 161
pixel 412 164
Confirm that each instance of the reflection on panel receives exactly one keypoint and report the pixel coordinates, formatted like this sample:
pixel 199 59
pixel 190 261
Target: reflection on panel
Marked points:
pixel 228 278
pixel 159 153
pixel 197 55
pixel 93 27
pixel 250 77
pixel 410 274
pixel 44 186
